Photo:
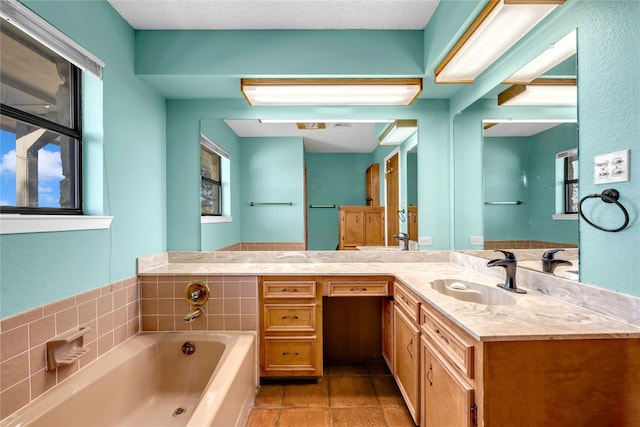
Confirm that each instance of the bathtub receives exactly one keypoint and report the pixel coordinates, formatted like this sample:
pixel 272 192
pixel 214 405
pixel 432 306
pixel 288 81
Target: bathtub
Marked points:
pixel 151 381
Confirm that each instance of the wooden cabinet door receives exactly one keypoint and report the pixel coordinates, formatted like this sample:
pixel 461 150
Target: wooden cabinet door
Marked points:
pixel 352 228
pixel 447 399
pixel 412 223
pixel 374 228
pixel 372 190
pixel 406 360
pixel 387 331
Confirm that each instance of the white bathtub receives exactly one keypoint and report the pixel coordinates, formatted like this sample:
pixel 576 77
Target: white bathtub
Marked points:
pixel 149 381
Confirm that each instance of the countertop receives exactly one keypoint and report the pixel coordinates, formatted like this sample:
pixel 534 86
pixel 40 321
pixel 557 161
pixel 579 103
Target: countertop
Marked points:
pixel 533 316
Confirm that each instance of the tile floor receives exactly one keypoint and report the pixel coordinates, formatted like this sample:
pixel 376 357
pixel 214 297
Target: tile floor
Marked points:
pixel 350 394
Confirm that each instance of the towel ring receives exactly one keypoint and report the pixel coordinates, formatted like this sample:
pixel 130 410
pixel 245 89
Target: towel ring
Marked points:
pixel 608 196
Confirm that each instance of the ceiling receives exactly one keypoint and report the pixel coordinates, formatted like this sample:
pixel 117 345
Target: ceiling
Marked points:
pixel 276 14
pixel 298 15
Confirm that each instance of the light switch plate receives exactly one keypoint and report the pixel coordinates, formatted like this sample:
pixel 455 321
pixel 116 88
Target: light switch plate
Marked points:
pixel 476 240
pixel 611 167
pixel 425 240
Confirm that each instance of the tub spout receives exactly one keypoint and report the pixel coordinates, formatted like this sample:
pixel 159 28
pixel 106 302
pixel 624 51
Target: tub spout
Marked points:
pixel 191 316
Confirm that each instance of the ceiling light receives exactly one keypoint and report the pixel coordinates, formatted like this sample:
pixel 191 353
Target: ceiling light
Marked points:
pixel 498 27
pixel 555 54
pixel 542 92
pixel 398 132
pixel 331 91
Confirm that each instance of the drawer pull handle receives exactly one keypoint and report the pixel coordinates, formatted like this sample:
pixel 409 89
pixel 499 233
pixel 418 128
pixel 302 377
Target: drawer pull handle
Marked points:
pixel 289 289
pixel 358 289
pixel 290 317
pixel 441 335
pixel 408 349
pixel 429 373
pixel 290 353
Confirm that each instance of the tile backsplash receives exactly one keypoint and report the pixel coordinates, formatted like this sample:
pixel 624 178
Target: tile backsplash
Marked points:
pixel 111 311
pixel 232 304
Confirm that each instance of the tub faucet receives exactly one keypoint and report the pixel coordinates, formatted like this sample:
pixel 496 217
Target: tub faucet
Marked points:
pixel 509 263
pixel 405 238
pixel 190 317
pixel 549 262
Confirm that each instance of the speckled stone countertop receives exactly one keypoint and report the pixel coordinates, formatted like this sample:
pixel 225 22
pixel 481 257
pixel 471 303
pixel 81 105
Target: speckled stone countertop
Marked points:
pixel 533 316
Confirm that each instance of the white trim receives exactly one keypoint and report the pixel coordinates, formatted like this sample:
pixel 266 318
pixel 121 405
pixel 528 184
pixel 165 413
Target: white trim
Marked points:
pixel 27 21
pixel 212 146
pixel 207 219
pixel 565 217
pixel 17 224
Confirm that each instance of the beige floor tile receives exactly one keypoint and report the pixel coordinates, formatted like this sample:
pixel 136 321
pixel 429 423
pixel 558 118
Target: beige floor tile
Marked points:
pixel 357 417
pixel 263 418
pixel 307 417
pixel 387 390
pixel 269 395
pixel 306 395
pixel 398 417
pixel 352 391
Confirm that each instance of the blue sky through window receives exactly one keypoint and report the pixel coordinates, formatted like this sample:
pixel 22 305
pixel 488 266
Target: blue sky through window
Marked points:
pixel 49 172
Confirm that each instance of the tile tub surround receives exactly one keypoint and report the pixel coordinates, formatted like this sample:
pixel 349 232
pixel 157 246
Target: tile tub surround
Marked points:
pixel 112 313
pixel 537 315
pixel 232 304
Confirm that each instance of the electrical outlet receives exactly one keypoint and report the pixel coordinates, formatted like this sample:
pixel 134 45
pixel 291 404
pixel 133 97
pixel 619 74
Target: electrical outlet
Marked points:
pixel 611 167
pixel 476 240
pixel 425 240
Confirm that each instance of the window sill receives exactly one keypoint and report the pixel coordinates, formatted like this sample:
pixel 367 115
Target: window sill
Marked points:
pixel 215 219
pixel 565 217
pixel 18 224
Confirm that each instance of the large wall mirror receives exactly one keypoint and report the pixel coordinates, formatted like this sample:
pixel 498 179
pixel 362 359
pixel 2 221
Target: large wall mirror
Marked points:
pixel 291 177
pixel 516 174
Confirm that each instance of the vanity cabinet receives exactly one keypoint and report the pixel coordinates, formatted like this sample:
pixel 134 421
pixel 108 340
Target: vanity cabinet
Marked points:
pixel 387 331
pixel 406 348
pixel 290 327
pixel 447 362
pixel 361 226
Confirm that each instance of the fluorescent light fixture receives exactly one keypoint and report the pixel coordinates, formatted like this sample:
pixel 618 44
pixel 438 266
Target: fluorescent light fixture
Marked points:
pixel 498 27
pixel 555 54
pixel 331 91
pixel 541 92
pixel 398 132
pixel 271 121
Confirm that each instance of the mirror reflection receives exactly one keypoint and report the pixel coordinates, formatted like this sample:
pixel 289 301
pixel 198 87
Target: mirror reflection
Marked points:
pixel 318 184
pixel 528 170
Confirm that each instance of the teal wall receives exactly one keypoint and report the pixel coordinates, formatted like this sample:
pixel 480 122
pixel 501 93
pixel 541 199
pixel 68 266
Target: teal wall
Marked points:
pixel 332 179
pixel 505 178
pixel 523 168
pixel 127 146
pixel 272 171
pixel 542 184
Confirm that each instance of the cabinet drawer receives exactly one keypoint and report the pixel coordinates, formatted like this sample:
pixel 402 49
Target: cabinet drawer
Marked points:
pixel 358 288
pixel 407 302
pixel 289 317
pixel 289 289
pixel 290 355
pixel 457 350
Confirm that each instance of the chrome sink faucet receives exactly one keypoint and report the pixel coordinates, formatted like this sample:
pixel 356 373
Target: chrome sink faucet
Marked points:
pixel 405 238
pixel 509 263
pixel 549 262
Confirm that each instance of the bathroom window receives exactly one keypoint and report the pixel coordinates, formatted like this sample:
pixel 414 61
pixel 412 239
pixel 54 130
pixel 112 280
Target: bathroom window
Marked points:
pixel 213 160
pixel 567 180
pixel 40 134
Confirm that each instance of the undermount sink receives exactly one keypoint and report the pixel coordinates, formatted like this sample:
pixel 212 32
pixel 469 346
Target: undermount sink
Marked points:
pixel 473 292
